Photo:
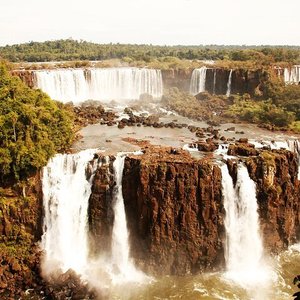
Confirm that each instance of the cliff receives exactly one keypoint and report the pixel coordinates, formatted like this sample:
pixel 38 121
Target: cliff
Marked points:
pixel 278 194
pixel 175 211
pixel 26 76
pixel 20 229
pixel 243 80
pixel 173 207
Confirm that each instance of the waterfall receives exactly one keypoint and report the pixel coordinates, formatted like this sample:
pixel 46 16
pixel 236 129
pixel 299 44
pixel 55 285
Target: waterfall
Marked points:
pixel 244 249
pixel 292 75
pixel 198 79
pixel 215 81
pixel 66 191
pixel 229 84
pixel 103 84
pixel 123 268
pixel 294 146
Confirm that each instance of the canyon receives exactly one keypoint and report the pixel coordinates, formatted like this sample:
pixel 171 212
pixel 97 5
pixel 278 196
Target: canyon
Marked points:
pixel 138 200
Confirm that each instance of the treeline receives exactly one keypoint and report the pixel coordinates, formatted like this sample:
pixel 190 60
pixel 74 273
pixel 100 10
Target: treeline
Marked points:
pixel 66 50
pixel 32 127
pixel 277 108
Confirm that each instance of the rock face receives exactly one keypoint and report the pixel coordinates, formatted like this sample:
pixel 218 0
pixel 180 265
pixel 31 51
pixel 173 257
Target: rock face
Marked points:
pixel 20 230
pixel 26 76
pixel 100 207
pixel 175 212
pixel 278 194
pixel 177 78
pixel 242 80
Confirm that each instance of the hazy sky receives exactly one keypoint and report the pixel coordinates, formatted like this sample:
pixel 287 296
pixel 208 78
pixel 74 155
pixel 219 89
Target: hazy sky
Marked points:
pixel 188 22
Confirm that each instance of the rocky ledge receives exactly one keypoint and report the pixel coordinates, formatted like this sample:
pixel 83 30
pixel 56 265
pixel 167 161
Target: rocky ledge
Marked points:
pixel 174 206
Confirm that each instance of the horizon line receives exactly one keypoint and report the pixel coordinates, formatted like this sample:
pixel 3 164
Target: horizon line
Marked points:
pixel 151 44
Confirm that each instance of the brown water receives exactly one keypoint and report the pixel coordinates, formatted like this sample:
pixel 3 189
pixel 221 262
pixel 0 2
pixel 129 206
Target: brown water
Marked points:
pixel 216 286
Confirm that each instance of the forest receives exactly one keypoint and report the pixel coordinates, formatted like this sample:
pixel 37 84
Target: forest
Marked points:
pixel 32 127
pixel 69 49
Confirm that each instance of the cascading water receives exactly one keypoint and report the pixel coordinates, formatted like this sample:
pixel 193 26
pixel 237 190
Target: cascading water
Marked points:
pixel 105 84
pixel 294 146
pixel 123 268
pixel 229 84
pixel 198 80
pixel 66 192
pixel 244 249
pixel 215 81
pixel 292 75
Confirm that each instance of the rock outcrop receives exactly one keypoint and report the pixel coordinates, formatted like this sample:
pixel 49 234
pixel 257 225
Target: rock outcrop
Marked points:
pixel 175 212
pixel 278 194
pixel 20 229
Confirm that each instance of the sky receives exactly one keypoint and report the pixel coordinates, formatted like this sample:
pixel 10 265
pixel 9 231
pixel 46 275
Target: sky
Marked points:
pixel 158 22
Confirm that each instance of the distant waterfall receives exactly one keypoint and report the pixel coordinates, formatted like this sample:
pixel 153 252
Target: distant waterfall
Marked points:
pixel 66 191
pixel 244 249
pixel 294 146
pixel 215 81
pixel 103 84
pixel 292 75
pixel 229 84
pixel 198 79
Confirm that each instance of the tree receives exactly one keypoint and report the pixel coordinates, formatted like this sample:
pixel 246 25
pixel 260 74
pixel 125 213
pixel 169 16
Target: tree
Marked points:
pixel 32 127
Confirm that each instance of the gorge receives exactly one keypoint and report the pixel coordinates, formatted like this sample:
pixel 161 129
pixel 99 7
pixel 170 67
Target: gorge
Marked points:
pixel 178 213
pixel 126 213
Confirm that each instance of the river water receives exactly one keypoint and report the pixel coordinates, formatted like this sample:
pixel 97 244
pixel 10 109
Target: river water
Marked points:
pixel 213 286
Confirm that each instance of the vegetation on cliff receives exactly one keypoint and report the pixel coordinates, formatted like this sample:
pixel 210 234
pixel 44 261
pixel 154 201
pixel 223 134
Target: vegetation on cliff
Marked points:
pixel 32 127
pixel 276 107
pixel 204 107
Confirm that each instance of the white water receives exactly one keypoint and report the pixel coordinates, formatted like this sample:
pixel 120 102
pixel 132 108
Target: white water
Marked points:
pixel 244 248
pixel 123 268
pixel 292 75
pixel 198 79
pixel 229 84
pixel 215 81
pixel 105 84
pixel 65 241
pixel 66 192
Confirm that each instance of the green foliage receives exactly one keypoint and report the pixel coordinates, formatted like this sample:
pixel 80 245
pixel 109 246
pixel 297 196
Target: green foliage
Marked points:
pixel 262 112
pixel 32 127
pixel 295 126
pixel 189 106
pixel 69 49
